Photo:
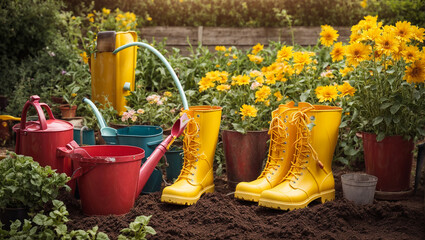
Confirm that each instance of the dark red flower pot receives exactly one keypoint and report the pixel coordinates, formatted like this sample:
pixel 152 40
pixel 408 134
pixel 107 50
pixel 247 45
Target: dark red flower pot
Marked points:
pixel 244 155
pixel 390 160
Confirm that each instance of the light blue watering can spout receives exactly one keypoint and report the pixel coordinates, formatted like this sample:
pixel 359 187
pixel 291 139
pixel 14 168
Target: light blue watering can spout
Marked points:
pixel 105 131
pixel 169 68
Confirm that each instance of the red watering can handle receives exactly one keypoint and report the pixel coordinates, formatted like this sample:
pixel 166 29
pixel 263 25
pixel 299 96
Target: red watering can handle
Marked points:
pixel 35 101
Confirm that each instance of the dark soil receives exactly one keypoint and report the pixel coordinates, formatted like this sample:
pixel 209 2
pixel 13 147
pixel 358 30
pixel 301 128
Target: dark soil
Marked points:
pixel 220 216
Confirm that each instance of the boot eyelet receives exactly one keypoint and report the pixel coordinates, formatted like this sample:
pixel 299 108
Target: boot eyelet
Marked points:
pixel 278 166
pixel 198 115
pixel 308 155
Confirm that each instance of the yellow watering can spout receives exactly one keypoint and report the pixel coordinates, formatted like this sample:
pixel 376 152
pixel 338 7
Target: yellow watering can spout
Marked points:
pixel 8 117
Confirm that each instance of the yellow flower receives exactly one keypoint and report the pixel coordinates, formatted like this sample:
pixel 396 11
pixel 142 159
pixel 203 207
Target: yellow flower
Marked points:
pixel 106 11
pixel 220 48
pixel 234 56
pixel 418 34
pixel 223 87
pixel 205 83
pixel 278 96
pixel 356 53
pixel 255 59
pixel 167 94
pixel 148 18
pixel 248 111
pixel 255 73
pixel 329 35
pixel 345 71
pixel 285 53
pixel 415 73
pixel 387 44
pixel 229 63
pixel 403 31
pixel 257 48
pixel 91 19
pixel 411 54
pixel 240 80
pixel 326 93
pixel 371 34
pixel 84 56
pixel 300 60
pixel 346 89
pixel 73 17
pixel 90 15
pixel 363 3
pixel 217 66
pixel 337 52
pixel 262 94
pixel 73 94
pixel 140 111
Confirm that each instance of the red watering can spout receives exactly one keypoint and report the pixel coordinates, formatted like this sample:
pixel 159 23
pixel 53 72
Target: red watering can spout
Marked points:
pixel 150 164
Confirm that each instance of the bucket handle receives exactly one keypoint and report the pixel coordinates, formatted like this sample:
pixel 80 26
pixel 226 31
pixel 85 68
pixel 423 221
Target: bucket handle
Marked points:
pixel 35 101
pixel 82 171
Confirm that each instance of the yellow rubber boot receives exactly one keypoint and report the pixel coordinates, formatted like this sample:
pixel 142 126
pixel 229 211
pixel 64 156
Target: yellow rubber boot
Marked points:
pixel 282 137
pixel 310 176
pixel 199 143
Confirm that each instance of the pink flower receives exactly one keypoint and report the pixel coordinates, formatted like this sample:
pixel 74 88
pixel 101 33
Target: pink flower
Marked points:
pixel 255 85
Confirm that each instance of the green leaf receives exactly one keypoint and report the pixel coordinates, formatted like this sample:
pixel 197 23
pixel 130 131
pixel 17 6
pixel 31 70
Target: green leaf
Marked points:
pixel 385 105
pixel 102 236
pixel 150 230
pixel 61 229
pixel 237 127
pixel 395 108
pixel 377 120
pixel 380 136
pixel 305 95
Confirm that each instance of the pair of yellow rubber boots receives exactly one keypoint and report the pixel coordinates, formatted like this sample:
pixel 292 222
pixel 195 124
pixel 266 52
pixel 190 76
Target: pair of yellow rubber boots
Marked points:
pixel 199 144
pixel 298 169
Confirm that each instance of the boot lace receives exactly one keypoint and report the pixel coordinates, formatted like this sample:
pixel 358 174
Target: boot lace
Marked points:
pixel 191 145
pixel 278 137
pixel 303 148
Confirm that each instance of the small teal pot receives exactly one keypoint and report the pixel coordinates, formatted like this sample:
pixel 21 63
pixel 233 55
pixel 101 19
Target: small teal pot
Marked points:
pixel 175 163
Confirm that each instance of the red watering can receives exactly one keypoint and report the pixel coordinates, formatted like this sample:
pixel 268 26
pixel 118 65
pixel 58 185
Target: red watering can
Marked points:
pixel 41 139
pixel 110 177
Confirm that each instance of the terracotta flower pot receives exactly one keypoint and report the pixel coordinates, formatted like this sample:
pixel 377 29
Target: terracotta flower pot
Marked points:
pixel 244 155
pixel 391 161
pixel 68 111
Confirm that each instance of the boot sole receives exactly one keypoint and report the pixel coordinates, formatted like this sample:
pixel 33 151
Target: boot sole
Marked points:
pixel 247 196
pixel 180 200
pixel 325 196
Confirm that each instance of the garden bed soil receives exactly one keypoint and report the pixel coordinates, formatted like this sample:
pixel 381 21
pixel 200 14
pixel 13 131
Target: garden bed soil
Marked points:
pixel 220 216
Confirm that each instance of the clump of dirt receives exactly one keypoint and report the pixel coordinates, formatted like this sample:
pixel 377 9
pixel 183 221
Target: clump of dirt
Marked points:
pixel 220 216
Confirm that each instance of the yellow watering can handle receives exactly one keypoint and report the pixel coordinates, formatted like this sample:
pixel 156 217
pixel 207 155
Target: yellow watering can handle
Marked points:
pixel 8 117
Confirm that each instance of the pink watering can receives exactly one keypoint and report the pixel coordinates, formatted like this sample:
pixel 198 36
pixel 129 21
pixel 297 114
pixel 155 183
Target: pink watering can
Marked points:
pixel 109 177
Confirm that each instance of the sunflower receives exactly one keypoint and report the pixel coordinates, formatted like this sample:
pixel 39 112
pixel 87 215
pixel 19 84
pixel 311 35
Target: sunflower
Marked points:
pixel 300 60
pixel 346 89
pixel 326 93
pixel 411 53
pixel 329 35
pixel 278 96
pixel 345 71
pixel 205 83
pixel 248 111
pixel 337 52
pixel 240 80
pixel 223 87
pixel 285 53
pixel 257 48
pixel 356 53
pixel 262 94
pixel 255 59
pixel 415 73
pixel 403 31
pixel 220 48
pixel 387 44
pixel 418 34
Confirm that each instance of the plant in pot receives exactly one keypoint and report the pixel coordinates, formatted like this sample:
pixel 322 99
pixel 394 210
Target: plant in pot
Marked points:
pixel 25 186
pixel 388 71
pixel 71 97
pixel 247 105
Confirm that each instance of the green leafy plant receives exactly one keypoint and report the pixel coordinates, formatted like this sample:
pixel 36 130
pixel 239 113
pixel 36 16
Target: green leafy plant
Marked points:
pixel 138 230
pixel 50 226
pixel 25 184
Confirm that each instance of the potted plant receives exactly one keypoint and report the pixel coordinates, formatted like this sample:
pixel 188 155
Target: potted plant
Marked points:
pixel 25 186
pixel 70 96
pixel 388 70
